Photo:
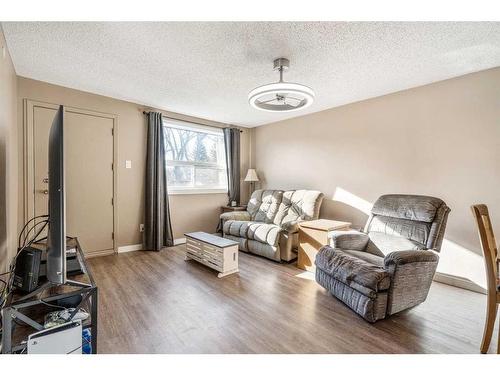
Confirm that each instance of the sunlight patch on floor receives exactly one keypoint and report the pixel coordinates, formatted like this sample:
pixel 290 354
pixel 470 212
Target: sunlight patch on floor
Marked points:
pixel 306 275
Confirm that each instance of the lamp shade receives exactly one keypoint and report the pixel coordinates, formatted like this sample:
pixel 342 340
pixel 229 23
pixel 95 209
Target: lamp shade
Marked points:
pixel 251 176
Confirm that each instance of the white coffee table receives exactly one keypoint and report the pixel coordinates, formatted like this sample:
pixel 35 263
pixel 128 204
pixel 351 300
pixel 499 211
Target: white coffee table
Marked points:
pixel 215 252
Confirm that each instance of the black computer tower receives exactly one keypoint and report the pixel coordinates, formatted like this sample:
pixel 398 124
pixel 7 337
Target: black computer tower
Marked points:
pixel 27 269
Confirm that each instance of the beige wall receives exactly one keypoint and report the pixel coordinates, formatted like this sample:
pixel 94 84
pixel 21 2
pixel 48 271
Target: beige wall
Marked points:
pixel 188 212
pixel 8 157
pixel 441 139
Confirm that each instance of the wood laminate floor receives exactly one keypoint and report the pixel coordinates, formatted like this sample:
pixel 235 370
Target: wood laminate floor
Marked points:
pixel 155 302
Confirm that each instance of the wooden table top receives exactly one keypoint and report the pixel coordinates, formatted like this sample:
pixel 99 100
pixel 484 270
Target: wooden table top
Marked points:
pixel 325 224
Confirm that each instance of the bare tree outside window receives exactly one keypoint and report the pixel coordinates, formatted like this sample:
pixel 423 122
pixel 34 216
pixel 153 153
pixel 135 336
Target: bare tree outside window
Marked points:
pixel 195 158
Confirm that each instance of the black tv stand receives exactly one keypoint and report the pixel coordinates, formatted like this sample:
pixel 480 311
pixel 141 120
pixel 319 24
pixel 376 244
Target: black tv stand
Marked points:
pixel 29 308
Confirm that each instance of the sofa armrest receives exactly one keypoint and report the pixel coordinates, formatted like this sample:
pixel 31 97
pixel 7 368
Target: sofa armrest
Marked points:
pixel 235 215
pixel 348 240
pixel 409 256
pixel 291 226
pixel 411 273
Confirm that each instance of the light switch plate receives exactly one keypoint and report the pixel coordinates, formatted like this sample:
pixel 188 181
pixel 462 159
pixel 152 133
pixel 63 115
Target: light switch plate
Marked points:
pixel 128 164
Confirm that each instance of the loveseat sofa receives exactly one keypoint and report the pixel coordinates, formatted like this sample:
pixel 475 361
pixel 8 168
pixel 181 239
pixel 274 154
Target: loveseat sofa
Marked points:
pixel 269 225
pixel 389 267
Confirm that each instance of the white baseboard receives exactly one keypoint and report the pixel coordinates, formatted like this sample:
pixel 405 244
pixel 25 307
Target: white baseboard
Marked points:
pixel 179 241
pixel 458 282
pixel 126 249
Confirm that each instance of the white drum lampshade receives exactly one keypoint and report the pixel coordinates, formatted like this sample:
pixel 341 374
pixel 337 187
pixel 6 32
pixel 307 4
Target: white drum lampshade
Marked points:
pixel 252 176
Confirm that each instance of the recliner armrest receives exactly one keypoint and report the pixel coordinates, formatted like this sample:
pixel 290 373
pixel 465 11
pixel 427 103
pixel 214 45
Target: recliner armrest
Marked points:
pixel 409 256
pixel 291 226
pixel 348 240
pixel 235 215
pixel 411 272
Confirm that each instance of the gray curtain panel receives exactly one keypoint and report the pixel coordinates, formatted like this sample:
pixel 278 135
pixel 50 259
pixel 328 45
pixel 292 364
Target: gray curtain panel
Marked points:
pixel 232 143
pixel 157 226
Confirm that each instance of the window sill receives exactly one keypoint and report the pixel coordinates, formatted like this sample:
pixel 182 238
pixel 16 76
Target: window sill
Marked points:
pixel 196 191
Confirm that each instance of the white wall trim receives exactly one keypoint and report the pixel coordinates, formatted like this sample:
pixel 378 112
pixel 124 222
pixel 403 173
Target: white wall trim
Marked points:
pixel 179 241
pixel 458 282
pixel 172 191
pixel 126 249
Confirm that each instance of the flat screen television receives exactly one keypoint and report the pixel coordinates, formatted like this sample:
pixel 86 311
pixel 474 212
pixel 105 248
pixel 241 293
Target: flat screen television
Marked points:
pixel 56 238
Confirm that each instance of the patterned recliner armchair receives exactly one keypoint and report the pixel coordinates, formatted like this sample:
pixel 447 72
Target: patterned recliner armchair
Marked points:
pixel 390 266
pixel 269 226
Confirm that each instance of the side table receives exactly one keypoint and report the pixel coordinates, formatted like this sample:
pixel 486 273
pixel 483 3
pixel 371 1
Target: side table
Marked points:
pixel 312 236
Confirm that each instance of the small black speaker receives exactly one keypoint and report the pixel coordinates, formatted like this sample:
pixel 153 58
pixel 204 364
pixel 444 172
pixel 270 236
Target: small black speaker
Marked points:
pixel 27 269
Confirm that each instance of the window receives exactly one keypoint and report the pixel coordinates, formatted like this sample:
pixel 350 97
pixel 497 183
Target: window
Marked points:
pixel 195 158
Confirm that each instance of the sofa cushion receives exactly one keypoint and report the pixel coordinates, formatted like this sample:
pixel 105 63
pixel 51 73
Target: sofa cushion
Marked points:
pixel 298 205
pixel 264 249
pixel 410 207
pixel 357 273
pixel 232 227
pixel 253 230
pixel 382 244
pixel 418 231
pixel 263 205
pixel 242 242
pixel 367 257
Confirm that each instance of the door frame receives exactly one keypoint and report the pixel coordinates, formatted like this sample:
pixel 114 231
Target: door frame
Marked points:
pixel 29 163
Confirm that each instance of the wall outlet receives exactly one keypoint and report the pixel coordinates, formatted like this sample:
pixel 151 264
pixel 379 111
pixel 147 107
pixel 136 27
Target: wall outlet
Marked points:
pixel 141 227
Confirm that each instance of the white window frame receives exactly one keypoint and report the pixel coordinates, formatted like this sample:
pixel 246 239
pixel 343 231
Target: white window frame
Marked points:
pixel 186 125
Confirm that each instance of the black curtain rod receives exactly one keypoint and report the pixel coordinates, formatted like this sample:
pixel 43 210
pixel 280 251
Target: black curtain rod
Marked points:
pixel 194 122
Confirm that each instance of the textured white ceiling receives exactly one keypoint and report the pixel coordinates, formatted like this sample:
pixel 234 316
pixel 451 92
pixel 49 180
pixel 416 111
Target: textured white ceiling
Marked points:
pixel 207 69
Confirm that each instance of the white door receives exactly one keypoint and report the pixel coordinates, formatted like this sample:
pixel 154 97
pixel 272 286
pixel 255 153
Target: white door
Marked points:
pixel 89 173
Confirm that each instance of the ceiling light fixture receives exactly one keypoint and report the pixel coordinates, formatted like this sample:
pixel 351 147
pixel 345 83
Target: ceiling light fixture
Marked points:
pixel 281 96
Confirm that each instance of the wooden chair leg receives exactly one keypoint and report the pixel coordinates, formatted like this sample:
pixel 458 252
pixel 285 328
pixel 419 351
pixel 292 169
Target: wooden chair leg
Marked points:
pixel 491 314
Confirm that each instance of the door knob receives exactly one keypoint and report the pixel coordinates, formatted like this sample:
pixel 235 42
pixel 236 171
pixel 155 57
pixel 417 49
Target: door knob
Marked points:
pixel 45 191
